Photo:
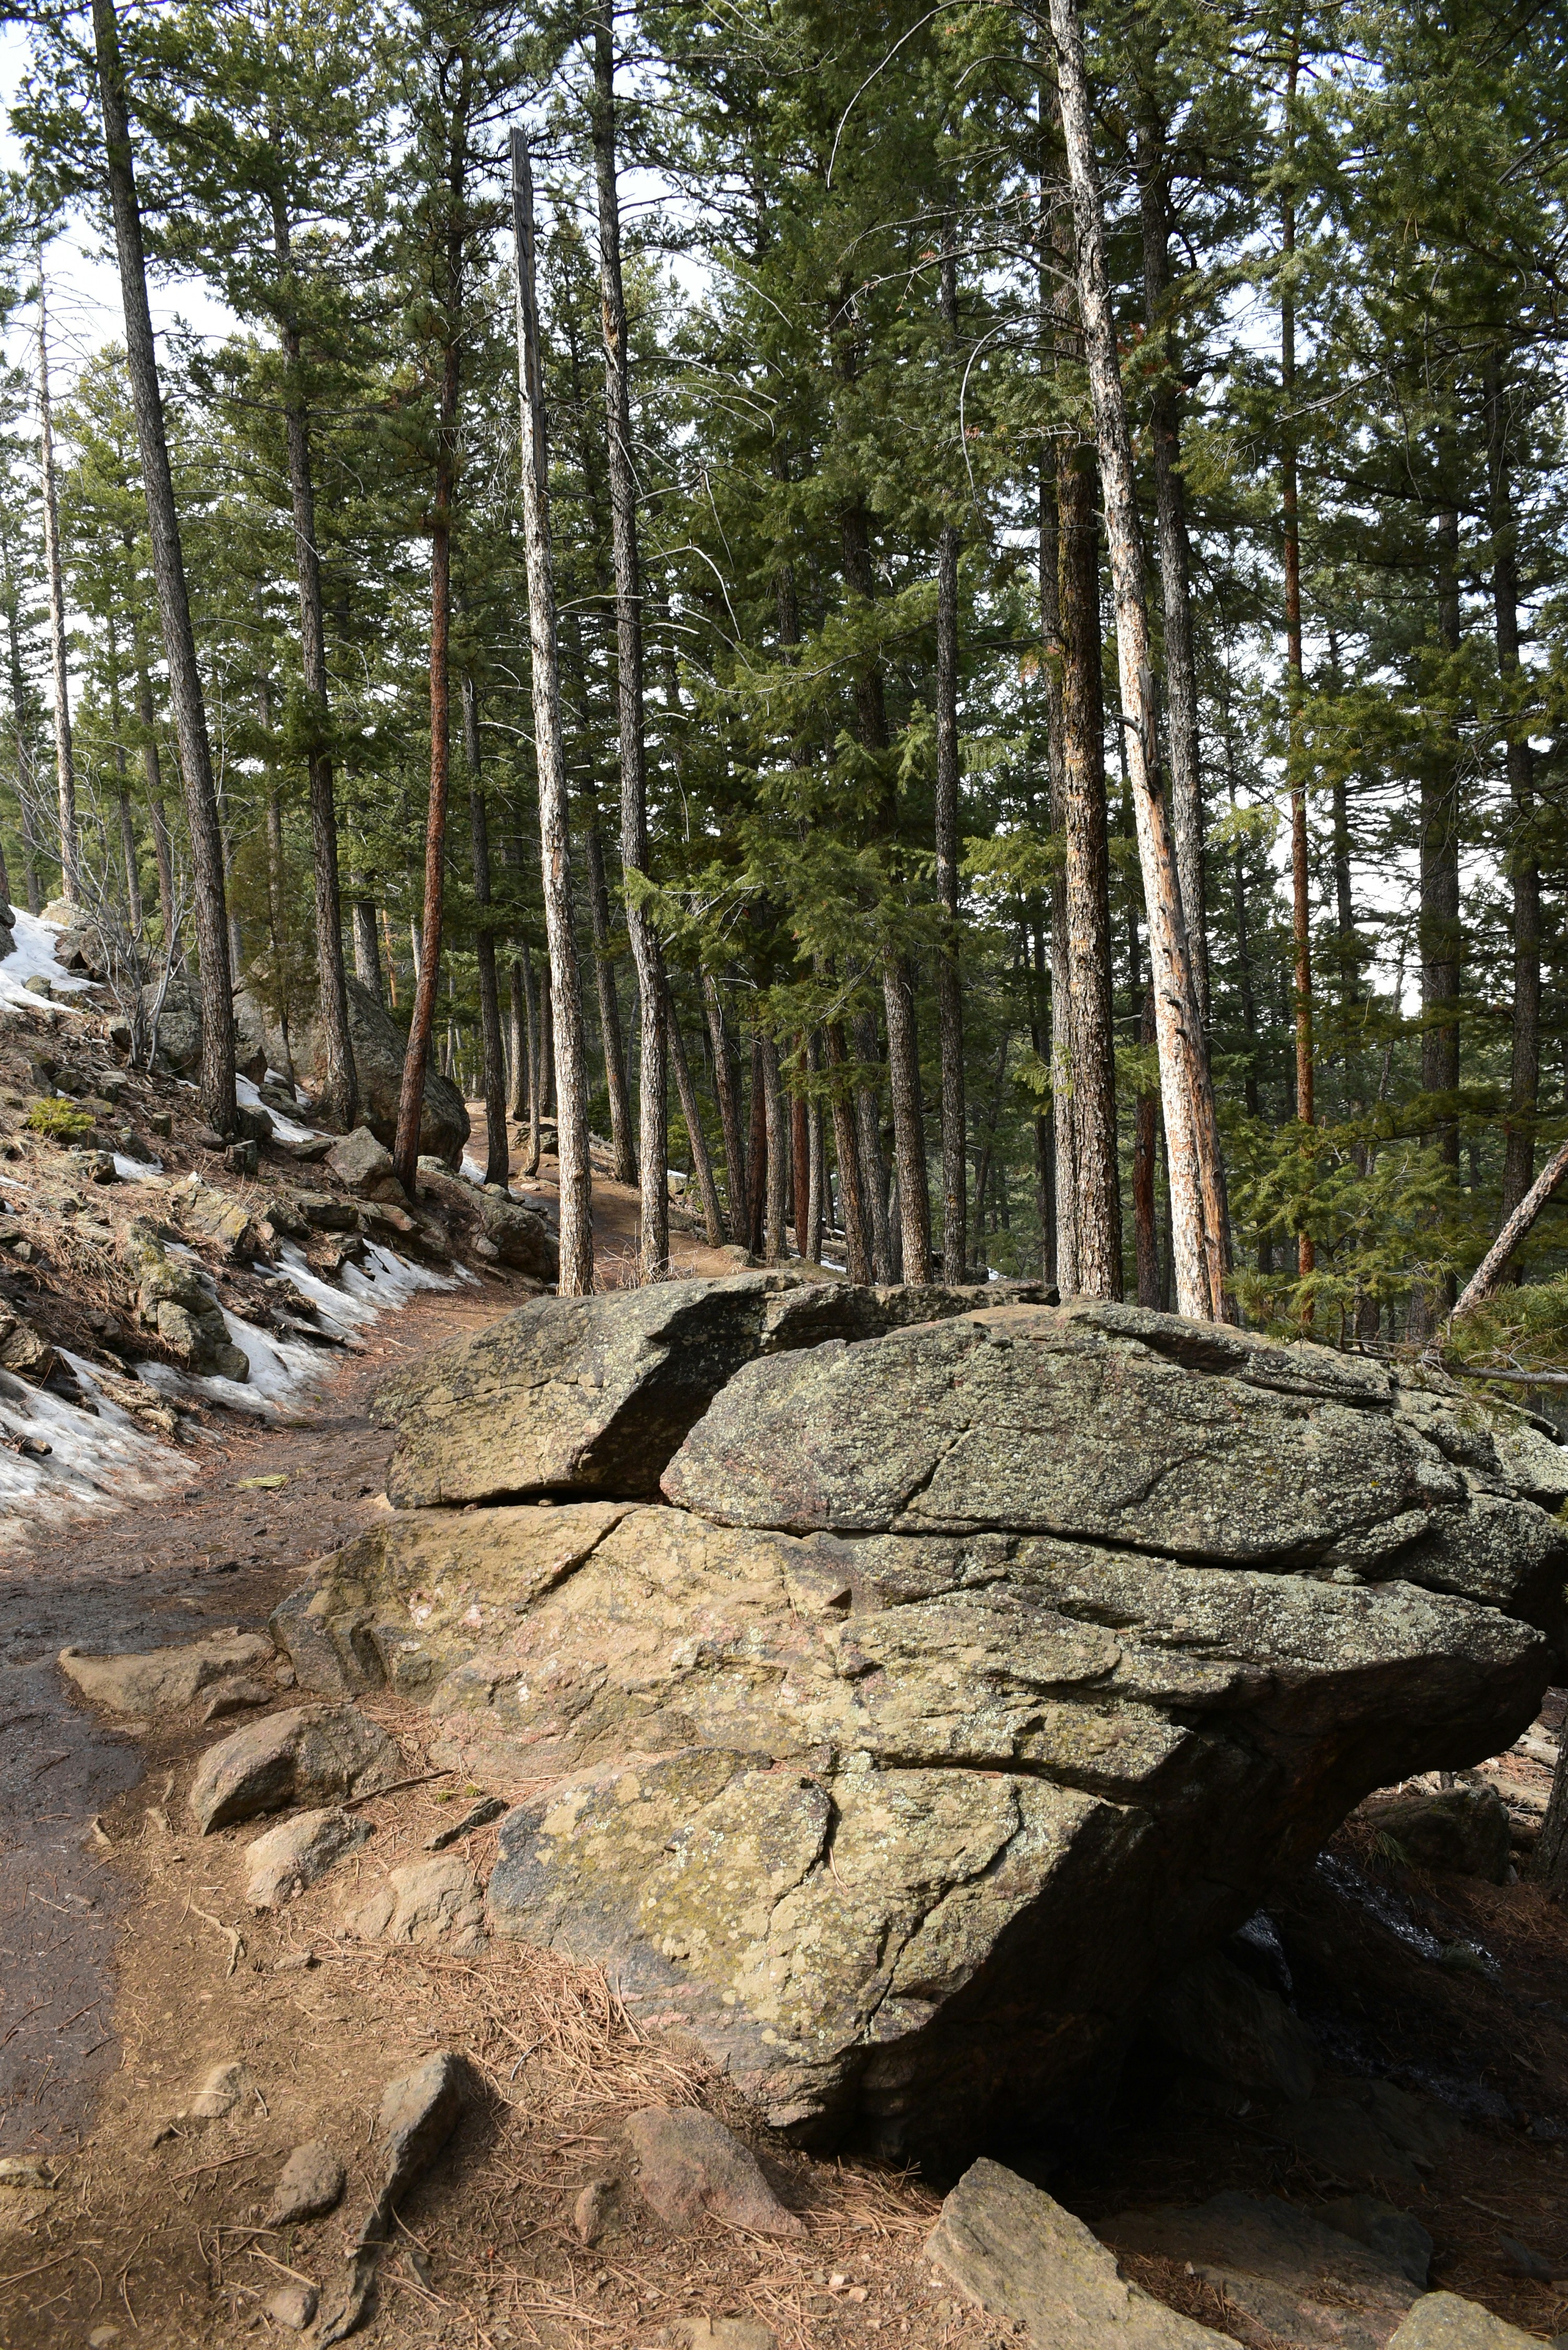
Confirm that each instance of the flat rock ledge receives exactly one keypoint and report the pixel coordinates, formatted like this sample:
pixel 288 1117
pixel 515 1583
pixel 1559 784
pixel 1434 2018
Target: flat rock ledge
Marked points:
pixel 969 1677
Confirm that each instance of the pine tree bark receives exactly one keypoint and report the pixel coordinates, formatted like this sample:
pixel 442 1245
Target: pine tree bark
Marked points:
pixel 775 1247
pixel 362 923
pixel 1065 1252
pixel 1523 868
pixel 816 1168
pixel 652 1134
pixel 757 1154
pixel 421 1024
pixel 799 1161
pixel 1175 551
pixel 1087 887
pixel 1438 923
pixel 1145 1152
pixel 497 1156
pixel 152 771
pixel 610 1035
pixel 846 1153
pixel 1197 1180
pixel 339 1097
pixel 691 1111
pixel 868 1129
pixel 577 1275
pixel 121 788
pixel 534 1046
pixel 26 782
pixel 217 1079
pixel 727 1086
pixel 65 754
pixel 1488 1277
pixel 949 986
pixel 1301 870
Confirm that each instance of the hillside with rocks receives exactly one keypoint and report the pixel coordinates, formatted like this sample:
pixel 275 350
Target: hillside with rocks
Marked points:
pixel 810 1811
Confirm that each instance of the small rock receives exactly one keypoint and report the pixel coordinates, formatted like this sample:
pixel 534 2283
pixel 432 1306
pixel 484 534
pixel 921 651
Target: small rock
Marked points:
pixel 1444 2321
pixel 102 2336
pixel 1010 2247
pixel 311 2183
pixel 1384 2228
pixel 269 1485
pixel 491 1808
pixel 1463 1829
pixel 419 2110
pixel 237 1697
pixel 361 1164
pixel 293 2306
pixel 298 1852
pixel 323 1213
pixel 163 1680
pixel 309 1751
pixel 26 2170
pixel 423 1901
pixel 592 2210
pixel 725 2334
pixel 486 1248
pixel 244 1160
pixel 220 2092
pixel 689 2163
pixel 1523 2261
pixel 207 1139
pixel 518 1237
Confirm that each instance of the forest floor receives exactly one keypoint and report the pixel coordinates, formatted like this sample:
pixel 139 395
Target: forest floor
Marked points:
pixel 132 1965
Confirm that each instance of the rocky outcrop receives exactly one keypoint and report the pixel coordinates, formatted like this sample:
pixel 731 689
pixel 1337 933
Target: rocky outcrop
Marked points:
pixel 594 1394
pixel 378 1048
pixel 173 1299
pixel 163 1680
pixel 986 1672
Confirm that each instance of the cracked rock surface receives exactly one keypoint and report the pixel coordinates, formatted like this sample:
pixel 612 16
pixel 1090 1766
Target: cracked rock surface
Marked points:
pixel 971 1677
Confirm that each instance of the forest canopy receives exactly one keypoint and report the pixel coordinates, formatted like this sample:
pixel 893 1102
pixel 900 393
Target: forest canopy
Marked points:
pixel 970 650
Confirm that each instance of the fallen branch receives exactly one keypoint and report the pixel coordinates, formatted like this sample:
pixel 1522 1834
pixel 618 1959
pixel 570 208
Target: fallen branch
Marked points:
pixel 1487 1279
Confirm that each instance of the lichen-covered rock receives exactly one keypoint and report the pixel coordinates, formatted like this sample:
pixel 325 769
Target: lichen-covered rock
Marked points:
pixel 159 1680
pixel 173 1299
pixel 364 1165
pixel 379 1047
pixel 311 1752
pixel 1090 1622
pixel 520 1238
pixel 1464 1829
pixel 1112 1424
pixel 298 1852
pixel 594 1394
pixel 426 1901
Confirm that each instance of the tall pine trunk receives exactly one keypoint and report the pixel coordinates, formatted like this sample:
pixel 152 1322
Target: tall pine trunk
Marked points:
pixel 846 1152
pixel 727 1086
pixel 950 985
pixel 1087 891
pixel 411 1094
pixel 1523 868
pixel 577 1275
pixel 497 1156
pixel 691 1111
pixel 1175 551
pixel 339 1095
pixel 1065 1253
pixel 1196 1182
pixel 65 754
pixel 652 1124
pixel 1301 870
pixel 217 1079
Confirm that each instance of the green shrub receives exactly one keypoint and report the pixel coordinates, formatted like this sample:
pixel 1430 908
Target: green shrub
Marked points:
pixel 60 1120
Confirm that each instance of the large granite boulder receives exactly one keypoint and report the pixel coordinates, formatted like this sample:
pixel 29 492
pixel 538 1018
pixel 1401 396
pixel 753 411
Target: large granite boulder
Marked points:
pixel 379 1049
pixel 902 1772
pixel 593 1395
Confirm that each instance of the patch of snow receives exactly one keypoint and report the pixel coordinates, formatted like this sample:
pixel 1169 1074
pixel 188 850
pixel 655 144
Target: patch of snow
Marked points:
pixel 249 1096
pixel 97 1461
pixel 137 1170
pixel 472 1171
pixel 33 957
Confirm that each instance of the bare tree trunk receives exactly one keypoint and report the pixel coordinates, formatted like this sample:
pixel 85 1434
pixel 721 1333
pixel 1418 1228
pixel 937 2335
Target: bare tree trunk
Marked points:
pixel 691 1111
pixel 122 789
pixel 152 770
pixel 576 1277
pixel 810 1240
pixel 1197 1172
pixel 1146 1147
pixel 1551 1847
pixel 653 1142
pixel 799 1155
pixel 217 1082
pixel 517 1041
pixel 1439 922
pixel 775 1247
pixel 339 1095
pixel 1301 871
pixel 362 921
pixel 25 775
pixel 535 1038
pixel 1097 1175
pixel 65 758
pixel 949 986
pixel 497 1155
pixel 411 1094
pixel 1487 1279
pixel 846 1151
pixel 1065 1249
pixel 610 1034
pixel 1175 551
pixel 1523 868
pixel 867 1126
pixel 909 1123
pixel 276 897
pixel 757 1154
pixel 727 1086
